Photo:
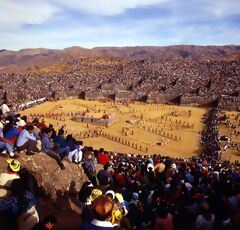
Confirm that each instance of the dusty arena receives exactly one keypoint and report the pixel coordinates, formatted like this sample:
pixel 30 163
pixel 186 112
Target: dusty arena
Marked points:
pixel 138 128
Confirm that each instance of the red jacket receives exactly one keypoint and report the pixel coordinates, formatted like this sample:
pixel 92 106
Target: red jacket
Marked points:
pixel 102 158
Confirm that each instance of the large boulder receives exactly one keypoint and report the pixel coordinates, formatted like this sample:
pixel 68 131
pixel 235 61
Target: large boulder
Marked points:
pixel 57 186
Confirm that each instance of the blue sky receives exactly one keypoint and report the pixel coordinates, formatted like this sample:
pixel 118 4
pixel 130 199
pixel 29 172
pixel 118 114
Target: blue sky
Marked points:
pixel 90 23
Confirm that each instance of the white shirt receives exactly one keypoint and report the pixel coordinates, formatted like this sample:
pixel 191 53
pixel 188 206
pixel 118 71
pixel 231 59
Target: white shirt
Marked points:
pixel 5 109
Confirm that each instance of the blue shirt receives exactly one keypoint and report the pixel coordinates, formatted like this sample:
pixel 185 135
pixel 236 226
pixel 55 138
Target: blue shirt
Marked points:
pixel 60 140
pixel 24 136
pixel 46 143
pixel 11 133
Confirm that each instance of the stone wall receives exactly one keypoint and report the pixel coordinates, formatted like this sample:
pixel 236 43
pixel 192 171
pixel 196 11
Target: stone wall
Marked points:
pixel 64 94
pixel 197 101
pixel 93 95
pixel 95 121
pixel 161 98
pixel 124 95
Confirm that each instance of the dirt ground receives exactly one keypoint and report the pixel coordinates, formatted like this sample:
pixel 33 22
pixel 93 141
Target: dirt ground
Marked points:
pixel 140 127
pixel 231 153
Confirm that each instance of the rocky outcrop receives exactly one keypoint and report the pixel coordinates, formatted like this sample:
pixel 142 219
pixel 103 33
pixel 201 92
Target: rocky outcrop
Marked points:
pixel 55 184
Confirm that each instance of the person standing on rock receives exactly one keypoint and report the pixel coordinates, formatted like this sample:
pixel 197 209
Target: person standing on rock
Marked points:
pixel 89 167
pixel 48 147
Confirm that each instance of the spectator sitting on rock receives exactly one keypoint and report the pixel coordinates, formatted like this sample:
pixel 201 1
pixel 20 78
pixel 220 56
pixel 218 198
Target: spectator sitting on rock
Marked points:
pixel 63 149
pixel 5 145
pixel 20 124
pixel 27 140
pixel 10 131
pixel 49 148
pixel 75 154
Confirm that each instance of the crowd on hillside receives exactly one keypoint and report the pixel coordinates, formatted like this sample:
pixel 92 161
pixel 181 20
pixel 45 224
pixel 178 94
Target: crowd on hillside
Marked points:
pixel 131 191
pixel 203 79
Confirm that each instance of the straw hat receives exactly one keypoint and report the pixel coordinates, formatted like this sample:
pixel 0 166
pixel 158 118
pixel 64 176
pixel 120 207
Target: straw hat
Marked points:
pixel 14 165
pixel 95 193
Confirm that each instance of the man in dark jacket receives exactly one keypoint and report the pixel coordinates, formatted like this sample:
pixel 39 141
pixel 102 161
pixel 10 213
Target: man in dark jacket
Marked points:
pixel 48 147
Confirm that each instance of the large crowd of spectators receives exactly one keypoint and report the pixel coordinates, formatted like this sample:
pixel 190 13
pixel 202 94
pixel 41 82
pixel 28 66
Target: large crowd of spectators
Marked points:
pixel 131 191
pixel 203 79
pixel 210 136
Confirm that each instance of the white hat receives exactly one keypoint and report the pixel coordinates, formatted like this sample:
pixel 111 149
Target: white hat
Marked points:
pixel 112 193
pixel 173 165
pixel 21 123
pixel 150 165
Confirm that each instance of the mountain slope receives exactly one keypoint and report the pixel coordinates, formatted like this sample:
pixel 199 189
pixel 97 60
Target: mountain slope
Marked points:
pixel 25 58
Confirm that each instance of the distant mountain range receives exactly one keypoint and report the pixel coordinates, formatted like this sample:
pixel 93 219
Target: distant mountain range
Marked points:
pixel 11 61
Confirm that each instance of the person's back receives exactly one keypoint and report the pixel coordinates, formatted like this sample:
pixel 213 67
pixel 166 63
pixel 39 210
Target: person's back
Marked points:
pixel 205 221
pixel 104 173
pixel 103 207
pixel 11 134
pixel 164 223
pixel 46 143
pixel 102 157
pixel 60 140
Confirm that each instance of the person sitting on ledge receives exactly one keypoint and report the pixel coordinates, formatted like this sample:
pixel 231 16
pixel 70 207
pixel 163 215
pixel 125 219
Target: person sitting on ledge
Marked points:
pixel 27 140
pixel 48 147
pixel 63 149
pixel 5 145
